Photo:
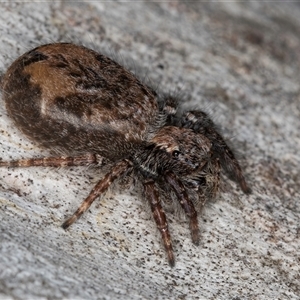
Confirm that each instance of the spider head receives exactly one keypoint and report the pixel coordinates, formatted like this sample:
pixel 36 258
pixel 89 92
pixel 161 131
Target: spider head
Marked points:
pixel 173 149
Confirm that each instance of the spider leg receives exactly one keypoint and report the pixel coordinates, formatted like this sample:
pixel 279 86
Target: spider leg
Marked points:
pixel 185 203
pixel 170 105
pixel 201 123
pixel 99 188
pixel 214 181
pixel 159 215
pixel 59 161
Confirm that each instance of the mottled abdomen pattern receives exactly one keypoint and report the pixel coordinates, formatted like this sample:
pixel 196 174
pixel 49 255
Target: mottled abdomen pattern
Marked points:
pixel 77 105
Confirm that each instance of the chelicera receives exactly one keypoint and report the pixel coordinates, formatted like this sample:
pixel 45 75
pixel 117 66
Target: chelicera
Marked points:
pixel 89 110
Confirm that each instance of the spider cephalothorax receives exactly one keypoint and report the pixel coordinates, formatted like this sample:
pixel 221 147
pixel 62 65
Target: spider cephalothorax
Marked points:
pixel 76 101
pixel 176 149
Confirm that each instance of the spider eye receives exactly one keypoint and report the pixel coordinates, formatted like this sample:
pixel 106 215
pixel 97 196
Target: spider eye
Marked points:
pixel 175 153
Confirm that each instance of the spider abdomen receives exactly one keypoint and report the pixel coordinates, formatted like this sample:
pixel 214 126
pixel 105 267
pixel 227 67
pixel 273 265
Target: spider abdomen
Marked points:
pixel 75 100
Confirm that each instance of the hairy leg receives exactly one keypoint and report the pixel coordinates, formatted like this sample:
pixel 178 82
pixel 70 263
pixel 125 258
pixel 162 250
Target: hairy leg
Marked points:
pixel 201 123
pixel 99 188
pixel 59 161
pixel 186 204
pixel 159 215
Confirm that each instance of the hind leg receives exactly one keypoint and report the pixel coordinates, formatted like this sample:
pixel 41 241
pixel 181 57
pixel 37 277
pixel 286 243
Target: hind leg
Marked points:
pixel 55 161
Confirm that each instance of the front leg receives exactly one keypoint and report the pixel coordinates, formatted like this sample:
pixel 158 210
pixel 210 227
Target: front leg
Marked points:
pixel 159 215
pixel 201 123
pixel 185 203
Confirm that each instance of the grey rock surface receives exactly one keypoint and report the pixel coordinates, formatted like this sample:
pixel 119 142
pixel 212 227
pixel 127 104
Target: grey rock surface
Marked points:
pixel 238 61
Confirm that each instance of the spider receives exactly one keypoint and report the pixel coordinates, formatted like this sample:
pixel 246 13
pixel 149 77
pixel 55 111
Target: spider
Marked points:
pixel 89 110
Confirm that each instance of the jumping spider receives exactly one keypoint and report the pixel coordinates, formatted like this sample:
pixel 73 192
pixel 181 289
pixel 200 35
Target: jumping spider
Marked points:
pixel 88 108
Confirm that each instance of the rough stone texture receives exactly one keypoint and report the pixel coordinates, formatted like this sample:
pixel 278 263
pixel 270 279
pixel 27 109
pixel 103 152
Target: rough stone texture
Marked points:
pixel 241 62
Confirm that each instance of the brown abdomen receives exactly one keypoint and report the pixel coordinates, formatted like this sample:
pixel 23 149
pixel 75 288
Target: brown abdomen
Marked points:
pixel 74 100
